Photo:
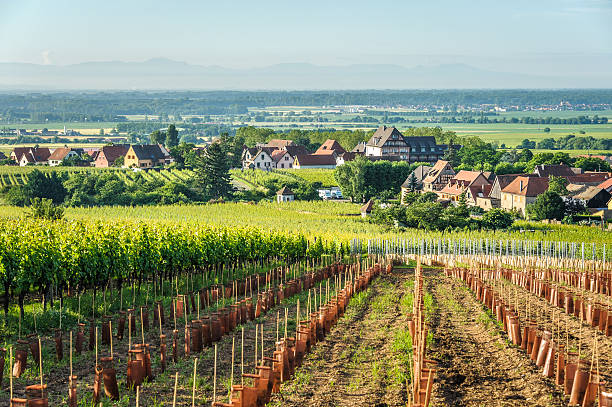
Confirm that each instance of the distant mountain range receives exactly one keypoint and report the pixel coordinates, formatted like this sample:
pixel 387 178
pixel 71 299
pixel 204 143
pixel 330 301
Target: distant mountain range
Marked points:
pixel 161 73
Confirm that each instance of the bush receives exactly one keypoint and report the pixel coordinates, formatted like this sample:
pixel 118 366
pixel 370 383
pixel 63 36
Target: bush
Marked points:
pixel 548 205
pixel 43 208
pixel 497 219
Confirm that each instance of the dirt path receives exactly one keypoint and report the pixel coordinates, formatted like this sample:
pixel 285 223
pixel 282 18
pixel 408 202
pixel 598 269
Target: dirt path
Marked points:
pixel 356 365
pixel 477 366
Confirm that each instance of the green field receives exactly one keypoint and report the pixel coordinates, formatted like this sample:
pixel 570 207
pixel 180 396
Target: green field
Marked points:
pixel 338 221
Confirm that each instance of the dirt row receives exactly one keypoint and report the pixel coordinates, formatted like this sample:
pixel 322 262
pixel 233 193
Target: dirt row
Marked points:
pixel 357 365
pixel 476 364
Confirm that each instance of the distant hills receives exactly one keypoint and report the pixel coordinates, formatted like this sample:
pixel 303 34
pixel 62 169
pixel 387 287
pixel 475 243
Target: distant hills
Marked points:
pixel 161 73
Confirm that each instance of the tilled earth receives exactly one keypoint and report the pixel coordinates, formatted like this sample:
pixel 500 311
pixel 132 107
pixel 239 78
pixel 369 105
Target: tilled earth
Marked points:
pixel 356 365
pixel 477 365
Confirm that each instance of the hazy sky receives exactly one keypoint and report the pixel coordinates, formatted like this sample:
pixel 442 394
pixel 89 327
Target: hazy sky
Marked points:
pixel 522 35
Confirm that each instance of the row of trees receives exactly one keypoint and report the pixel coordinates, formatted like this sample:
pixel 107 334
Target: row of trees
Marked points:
pixel 423 212
pixel 571 142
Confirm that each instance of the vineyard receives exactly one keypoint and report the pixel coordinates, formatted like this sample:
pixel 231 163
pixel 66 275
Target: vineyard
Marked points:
pixel 303 303
pixel 10 175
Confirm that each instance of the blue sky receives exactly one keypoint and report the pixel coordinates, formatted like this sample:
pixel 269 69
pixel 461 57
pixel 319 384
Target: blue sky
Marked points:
pixel 516 35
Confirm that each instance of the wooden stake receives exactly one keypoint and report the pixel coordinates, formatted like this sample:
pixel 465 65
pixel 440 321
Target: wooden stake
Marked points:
pixel 159 318
pixel 70 357
pixel 215 377
pixel 286 313
pixel 242 358
pixel 262 343
pixel 11 370
pixel 277 322
pixel 40 364
pixel 129 332
pixel 256 331
pixel 96 346
pixel 137 396
pixel 232 374
pixel 175 384
pixel 110 328
pixel 195 368
pixel 141 327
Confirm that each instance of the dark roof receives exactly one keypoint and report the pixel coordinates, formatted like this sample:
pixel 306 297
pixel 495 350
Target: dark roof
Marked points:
pixel 531 186
pixel 359 148
pixel 149 152
pixel 285 191
pixel 382 134
pixel 296 150
pixel 591 178
pixel 428 142
pixel 111 153
pixel 316 159
pixel 347 156
pixel 547 170
pixel 368 206
pixel 419 172
pixel 330 145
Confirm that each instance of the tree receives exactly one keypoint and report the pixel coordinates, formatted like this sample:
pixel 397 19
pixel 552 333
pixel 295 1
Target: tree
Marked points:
pixel 41 185
pixel 558 185
pixel 213 173
pixel 157 137
pixel 412 182
pixel 546 129
pixel 548 205
pixel 525 156
pixel 451 155
pixel 172 139
pixel 497 218
pixel 592 164
pixel 119 161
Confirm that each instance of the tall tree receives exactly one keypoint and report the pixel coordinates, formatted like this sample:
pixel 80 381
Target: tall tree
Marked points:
pixel 157 137
pixel 172 139
pixel 213 173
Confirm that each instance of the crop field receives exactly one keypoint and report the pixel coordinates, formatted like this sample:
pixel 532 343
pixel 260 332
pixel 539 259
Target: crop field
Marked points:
pixel 129 313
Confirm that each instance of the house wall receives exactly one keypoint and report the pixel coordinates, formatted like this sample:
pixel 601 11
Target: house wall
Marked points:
pixel 373 151
pixel 516 202
pixel 130 159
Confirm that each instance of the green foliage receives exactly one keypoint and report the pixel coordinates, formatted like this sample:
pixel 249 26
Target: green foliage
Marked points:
pixel 157 137
pixel 43 208
pixel 213 173
pixel 558 185
pixel 362 179
pixel 497 218
pixel 184 155
pixel 172 138
pixel 475 152
pixel 592 164
pixel 548 205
